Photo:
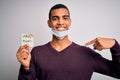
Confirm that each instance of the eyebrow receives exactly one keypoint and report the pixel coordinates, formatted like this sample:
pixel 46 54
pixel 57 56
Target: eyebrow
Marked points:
pixel 66 16
pixel 62 16
pixel 54 16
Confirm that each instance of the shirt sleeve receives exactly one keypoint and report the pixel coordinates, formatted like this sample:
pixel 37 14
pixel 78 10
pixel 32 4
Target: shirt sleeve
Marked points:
pixel 109 67
pixel 28 74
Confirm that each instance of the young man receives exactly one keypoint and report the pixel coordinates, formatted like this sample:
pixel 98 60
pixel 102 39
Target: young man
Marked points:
pixel 62 59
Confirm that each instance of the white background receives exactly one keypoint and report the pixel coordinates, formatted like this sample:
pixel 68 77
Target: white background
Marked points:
pixel 90 19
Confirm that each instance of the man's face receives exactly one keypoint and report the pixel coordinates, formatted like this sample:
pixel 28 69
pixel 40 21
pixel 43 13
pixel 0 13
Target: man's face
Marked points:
pixel 60 19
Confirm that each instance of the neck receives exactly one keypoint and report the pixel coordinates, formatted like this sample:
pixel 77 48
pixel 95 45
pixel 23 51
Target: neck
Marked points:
pixel 60 44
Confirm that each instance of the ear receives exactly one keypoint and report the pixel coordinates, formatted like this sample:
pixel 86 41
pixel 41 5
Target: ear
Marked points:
pixel 49 23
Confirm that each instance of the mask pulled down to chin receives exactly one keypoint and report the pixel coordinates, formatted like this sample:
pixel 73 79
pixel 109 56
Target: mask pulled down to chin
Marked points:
pixel 58 34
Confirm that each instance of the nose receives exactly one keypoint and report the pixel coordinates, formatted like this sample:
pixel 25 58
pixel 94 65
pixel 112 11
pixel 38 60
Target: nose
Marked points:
pixel 60 21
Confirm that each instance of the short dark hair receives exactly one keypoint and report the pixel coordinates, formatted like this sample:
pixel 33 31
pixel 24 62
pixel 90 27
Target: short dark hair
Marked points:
pixel 57 6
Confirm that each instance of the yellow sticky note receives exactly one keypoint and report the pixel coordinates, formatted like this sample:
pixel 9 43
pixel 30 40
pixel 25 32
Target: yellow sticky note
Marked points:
pixel 27 39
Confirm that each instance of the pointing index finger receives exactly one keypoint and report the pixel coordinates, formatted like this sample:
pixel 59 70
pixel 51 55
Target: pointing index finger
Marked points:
pixel 90 42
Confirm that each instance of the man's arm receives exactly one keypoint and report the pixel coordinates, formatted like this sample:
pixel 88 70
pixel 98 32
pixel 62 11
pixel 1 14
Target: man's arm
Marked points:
pixel 105 66
pixel 27 69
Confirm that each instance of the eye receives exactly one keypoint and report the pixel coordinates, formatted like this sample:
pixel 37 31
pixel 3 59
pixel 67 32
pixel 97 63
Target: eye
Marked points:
pixel 54 18
pixel 66 18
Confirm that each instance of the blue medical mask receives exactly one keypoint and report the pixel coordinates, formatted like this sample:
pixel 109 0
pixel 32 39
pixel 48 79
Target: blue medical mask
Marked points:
pixel 58 34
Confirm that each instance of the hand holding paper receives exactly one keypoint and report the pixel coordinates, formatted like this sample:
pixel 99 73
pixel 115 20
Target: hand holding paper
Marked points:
pixel 23 53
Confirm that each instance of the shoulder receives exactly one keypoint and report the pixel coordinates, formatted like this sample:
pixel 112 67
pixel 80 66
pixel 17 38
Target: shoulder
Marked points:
pixel 85 50
pixel 81 47
pixel 40 48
